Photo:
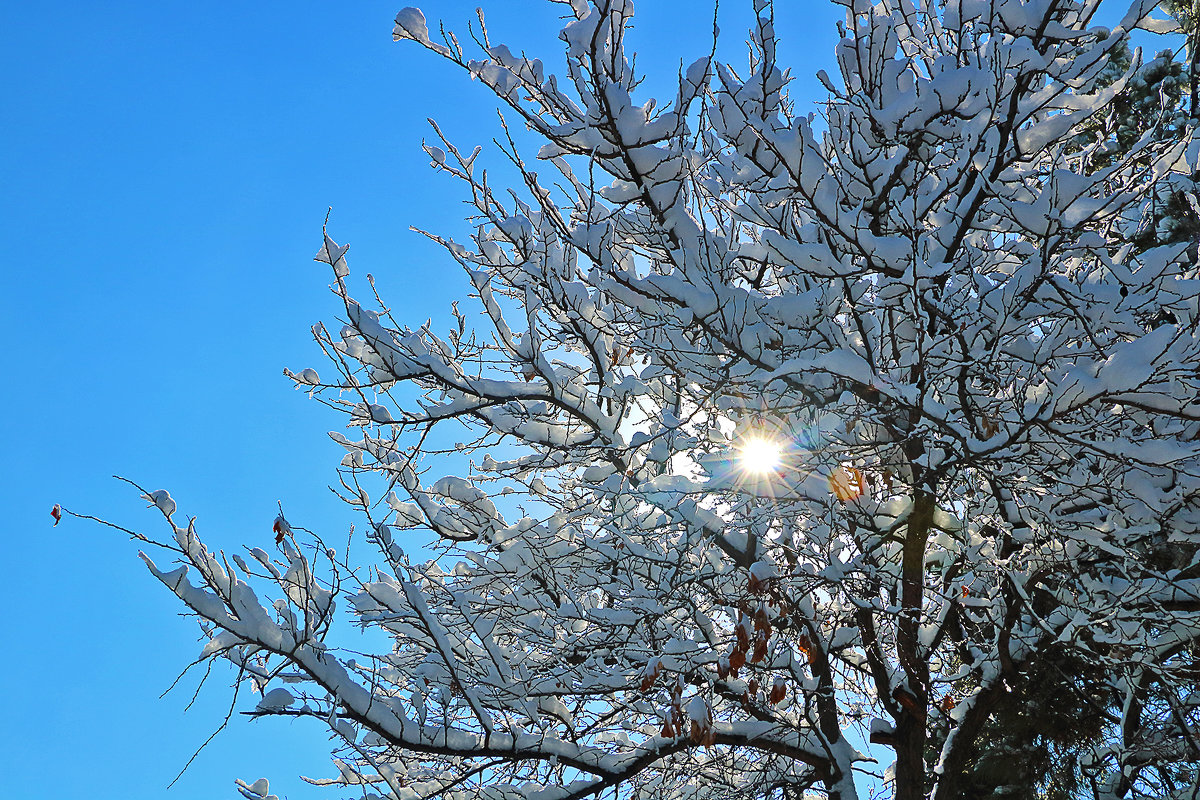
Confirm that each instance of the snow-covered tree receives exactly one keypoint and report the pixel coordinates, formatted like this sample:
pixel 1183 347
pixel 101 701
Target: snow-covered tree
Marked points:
pixel 1041 730
pixel 1154 101
pixel 789 448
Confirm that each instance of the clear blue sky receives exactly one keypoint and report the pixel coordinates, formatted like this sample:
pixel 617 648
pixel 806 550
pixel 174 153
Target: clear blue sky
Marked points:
pixel 165 170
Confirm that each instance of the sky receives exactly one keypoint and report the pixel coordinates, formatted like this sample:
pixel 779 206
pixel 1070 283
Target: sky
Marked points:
pixel 165 172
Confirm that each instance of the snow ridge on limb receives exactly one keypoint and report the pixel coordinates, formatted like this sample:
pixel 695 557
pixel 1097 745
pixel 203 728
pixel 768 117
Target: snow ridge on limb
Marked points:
pixel 980 391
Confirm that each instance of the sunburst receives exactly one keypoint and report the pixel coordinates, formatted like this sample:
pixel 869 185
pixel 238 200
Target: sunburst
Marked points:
pixel 760 455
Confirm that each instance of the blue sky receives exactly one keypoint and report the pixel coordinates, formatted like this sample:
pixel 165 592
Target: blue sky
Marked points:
pixel 166 169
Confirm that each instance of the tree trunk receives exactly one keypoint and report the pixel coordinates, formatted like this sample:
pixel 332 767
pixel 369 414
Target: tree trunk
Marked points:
pixel 910 728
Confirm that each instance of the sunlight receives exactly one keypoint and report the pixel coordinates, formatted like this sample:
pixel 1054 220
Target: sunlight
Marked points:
pixel 760 455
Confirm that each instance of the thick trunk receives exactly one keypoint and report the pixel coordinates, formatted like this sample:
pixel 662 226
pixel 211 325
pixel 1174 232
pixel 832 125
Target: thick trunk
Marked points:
pixel 910 759
pixel 910 728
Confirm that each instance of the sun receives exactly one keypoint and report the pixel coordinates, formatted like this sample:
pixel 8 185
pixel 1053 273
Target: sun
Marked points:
pixel 760 455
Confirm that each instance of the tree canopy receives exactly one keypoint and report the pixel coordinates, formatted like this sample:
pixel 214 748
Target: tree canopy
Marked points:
pixel 773 454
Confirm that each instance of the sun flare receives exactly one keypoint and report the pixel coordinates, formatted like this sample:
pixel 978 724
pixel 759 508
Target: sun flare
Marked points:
pixel 760 455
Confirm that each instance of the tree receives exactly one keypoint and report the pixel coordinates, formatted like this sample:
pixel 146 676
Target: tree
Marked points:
pixel 795 448
pixel 1155 101
pixel 1039 734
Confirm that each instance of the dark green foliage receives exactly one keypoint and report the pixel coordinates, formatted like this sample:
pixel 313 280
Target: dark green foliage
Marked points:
pixel 1035 742
pixel 1155 102
pixel 1031 744
pixel 1037 734
pixel 1152 100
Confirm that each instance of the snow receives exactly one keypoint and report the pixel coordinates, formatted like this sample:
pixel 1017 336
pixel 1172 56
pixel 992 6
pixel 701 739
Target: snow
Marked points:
pixel 956 321
pixel 162 500
pixel 763 570
pixel 410 24
pixel 335 255
pixel 259 790
pixel 276 699
pixel 881 726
